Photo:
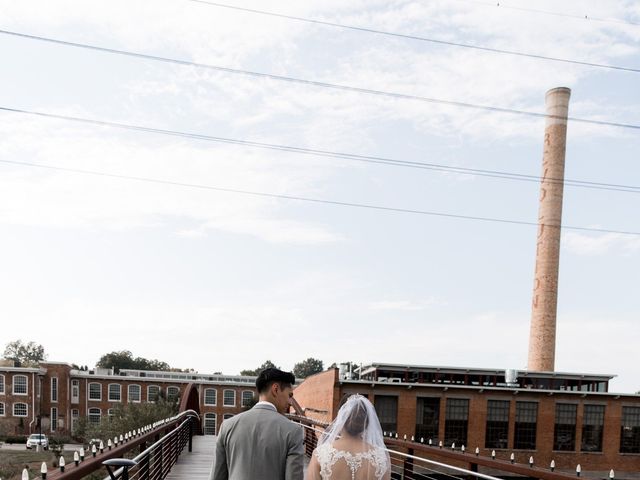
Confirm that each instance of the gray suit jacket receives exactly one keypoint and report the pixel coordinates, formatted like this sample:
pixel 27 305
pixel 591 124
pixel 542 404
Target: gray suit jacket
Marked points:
pixel 259 444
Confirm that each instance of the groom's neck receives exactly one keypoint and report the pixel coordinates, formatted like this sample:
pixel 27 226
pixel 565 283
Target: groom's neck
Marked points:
pixel 264 398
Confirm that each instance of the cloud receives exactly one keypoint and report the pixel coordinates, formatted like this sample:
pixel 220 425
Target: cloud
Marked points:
pixel 599 244
pixel 38 196
pixel 404 305
pixel 578 351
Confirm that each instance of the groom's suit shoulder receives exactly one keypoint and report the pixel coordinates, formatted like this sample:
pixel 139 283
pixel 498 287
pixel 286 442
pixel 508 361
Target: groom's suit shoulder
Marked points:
pixel 265 415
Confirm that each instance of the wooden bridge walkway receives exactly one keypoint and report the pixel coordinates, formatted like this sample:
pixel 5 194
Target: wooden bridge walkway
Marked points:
pixel 195 465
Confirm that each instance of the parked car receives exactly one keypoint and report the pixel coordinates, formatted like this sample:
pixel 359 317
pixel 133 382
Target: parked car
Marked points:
pixel 36 439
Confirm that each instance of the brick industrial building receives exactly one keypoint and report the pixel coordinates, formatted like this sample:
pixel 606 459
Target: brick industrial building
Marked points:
pixel 568 418
pixel 58 395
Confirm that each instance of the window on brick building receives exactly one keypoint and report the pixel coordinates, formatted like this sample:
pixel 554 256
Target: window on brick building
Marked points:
pixel 387 410
pixel 227 416
pixel 153 392
pixel 526 424
pixel 456 421
pixel 20 410
pixel 75 391
pixel 94 416
pixel 209 424
pixel 2 414
pixel 210 396
pixel 133 394
pixel 115 392
pixel 247 398
pixel 229 398
pixel 95 391
pixel 427 419
pixel 173 393
pixel 564 436
pixel 54 419
pixel 630 430
pixel 592 428
pixel 20 384
pixel 75 414
pixel 1 384
pixel 497 431
pixel 54 389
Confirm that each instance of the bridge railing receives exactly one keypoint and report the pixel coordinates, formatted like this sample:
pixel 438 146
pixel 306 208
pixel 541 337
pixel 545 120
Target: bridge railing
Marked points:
pixel 415 461
pixel 155 462
pixel 167 438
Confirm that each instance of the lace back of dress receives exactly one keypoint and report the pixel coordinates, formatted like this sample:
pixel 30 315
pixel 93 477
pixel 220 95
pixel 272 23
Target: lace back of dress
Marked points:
pixel 341 465
pixel 352 447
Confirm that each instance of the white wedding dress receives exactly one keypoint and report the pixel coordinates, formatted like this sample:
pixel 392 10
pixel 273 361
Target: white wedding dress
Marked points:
pixel 341 465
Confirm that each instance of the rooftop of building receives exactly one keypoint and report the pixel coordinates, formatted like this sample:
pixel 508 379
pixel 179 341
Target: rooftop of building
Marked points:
pixel 403 367
pixel 166 376
pixel 480 378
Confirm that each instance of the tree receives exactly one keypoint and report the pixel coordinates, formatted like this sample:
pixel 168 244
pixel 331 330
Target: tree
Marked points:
pixel 124 359
pixel 256 372
pixel 125 418
pixel 250 404
pixel 25 354
pixel 308 367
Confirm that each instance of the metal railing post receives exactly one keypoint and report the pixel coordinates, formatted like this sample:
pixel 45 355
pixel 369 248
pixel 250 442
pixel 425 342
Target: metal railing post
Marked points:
pixel 190 435
pixel 161 460
pixel 144 467
pixel 407 470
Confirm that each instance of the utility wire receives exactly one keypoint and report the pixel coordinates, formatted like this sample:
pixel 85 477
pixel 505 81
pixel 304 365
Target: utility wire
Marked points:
pixel 342 155
pixel 416 37
pixel 312 200
pixel 316 83
pixel 555 14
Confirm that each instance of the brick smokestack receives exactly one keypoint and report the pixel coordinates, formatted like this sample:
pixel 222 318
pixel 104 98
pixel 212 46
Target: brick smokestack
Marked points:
pixel 542 337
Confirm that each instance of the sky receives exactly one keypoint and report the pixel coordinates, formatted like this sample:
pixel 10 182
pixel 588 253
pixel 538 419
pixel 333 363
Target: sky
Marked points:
pixel 166 254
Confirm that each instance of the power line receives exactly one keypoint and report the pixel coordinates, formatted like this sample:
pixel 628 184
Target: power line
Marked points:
pixel 555 14
pixel 416 37
pixel 312 200
pixel 315 83
pixel 341 155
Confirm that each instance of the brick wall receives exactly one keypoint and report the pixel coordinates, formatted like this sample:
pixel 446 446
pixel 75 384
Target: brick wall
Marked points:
pixel 323 391
pixel 319 392
pixel 10 424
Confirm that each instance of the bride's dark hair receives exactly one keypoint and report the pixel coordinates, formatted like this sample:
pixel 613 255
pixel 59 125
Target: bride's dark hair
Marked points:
pixel 357 421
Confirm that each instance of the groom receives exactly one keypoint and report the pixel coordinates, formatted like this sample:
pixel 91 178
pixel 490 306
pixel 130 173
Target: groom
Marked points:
pixel 262 444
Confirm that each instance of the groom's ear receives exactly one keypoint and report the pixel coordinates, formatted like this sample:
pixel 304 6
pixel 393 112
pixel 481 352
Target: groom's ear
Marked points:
pixel 275 386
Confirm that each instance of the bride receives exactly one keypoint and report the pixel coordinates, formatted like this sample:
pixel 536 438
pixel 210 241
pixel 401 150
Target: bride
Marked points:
pixel 352 447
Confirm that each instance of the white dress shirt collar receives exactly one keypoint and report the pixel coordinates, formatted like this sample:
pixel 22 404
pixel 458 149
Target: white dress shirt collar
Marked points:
pixel 268 404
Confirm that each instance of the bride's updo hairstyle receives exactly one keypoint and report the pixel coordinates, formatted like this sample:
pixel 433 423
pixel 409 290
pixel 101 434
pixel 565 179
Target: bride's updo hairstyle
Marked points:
pixel 356 423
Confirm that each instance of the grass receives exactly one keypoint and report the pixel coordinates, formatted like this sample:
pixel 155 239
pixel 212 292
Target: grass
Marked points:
pixel 12 462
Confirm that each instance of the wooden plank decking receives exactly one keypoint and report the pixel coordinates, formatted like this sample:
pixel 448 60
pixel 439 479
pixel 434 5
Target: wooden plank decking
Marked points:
pixel 195 465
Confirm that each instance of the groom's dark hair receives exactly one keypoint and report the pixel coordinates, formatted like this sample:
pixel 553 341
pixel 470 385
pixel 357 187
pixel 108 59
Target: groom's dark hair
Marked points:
pixel 270 376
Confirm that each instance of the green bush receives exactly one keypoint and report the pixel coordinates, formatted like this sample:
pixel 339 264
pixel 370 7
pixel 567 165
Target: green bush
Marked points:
pixel 125 418
pixel 59 439
pixel 11 439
